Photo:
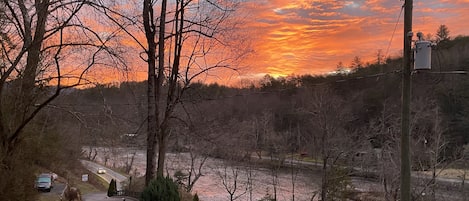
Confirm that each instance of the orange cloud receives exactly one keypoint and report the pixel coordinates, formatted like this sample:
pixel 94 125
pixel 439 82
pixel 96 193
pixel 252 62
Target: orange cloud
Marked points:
pixel 312 36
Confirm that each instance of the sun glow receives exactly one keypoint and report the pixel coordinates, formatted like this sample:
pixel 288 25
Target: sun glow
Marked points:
pixel 297 37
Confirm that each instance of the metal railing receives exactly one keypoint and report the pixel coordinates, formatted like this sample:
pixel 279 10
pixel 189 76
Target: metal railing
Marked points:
pixel 132 194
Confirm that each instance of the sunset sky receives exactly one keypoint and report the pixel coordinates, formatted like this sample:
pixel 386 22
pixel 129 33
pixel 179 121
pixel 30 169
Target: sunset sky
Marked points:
pixel 296 37
pixel 312 36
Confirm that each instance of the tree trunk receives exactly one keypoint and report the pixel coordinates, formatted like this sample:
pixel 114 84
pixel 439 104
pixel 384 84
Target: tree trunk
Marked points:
pixel 161 132
pixel 433 181
pixel 10 137
pixel 162 144
pixel 324 180
pixel 152 118
pixel 463 182
pixel 324 167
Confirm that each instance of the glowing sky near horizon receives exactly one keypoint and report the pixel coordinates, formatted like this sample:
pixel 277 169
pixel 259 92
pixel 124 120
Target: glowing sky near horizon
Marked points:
pixel 313 36
pixel 297 37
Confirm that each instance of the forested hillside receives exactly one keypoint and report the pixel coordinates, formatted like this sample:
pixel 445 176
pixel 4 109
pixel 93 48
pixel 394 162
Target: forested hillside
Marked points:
pixel 291 117
pixel 364 105
pixel 338 119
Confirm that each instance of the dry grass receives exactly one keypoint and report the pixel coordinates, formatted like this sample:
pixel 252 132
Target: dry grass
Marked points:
pixel 94 183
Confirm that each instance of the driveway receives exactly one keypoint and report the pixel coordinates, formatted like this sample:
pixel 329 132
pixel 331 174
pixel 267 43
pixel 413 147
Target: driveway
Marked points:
pixel 55 192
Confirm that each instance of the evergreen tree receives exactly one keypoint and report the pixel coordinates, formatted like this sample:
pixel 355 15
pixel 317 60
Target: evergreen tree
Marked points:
pixel 196 197
pixel 356 63
pixel 112 190
pixel 161 189
pixel 442 34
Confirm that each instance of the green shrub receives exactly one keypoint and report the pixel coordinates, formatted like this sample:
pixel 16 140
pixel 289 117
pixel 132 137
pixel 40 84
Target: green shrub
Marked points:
pixel 161 189
pixel 196 197
pixel 112 190
pixel 180 177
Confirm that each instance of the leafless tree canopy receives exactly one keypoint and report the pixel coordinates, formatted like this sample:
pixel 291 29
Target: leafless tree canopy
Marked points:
pixel 46 46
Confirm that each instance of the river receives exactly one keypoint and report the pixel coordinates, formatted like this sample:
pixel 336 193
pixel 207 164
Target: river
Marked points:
pixel 218 177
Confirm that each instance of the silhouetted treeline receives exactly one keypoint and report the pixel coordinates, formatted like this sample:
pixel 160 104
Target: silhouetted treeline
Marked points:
pixel 371 96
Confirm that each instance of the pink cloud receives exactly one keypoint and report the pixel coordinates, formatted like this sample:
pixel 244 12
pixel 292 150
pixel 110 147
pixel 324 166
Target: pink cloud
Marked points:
pixel 312 36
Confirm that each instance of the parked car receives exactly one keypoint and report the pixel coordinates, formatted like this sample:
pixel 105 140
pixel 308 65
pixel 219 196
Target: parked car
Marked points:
pixel 101 171
pixel 45 182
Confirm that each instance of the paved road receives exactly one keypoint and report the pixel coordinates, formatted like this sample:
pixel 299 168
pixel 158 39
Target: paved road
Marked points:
pixel 58 188
pixel 104 197
pixel 110 174
pixel 415 175
pixel 55 192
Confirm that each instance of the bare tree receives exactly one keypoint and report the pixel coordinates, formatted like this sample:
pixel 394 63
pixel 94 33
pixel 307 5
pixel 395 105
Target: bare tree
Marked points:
pixel 263 127
pixel 427 148
pixel 328 115
pixel 194 37
pixel 36 44
pixel 380 57
pixel 429 145
pixel 249 183
pixel 149 25
pixel 205 36
pixel 293 163
pixel 129 162
pixel 230 181
pixel 384 136
pixel 464 172
pixel 194 172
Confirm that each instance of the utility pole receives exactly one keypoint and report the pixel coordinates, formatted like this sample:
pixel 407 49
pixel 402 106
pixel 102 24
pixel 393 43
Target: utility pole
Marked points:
pixel 406 93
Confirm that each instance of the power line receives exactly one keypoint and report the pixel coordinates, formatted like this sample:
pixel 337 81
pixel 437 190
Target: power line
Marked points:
pixel 314 84
pixel 364 77
pixel 240 95
pixel 395 27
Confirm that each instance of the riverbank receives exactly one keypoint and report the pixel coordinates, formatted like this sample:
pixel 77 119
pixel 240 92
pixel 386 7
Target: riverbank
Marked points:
pixel 256 178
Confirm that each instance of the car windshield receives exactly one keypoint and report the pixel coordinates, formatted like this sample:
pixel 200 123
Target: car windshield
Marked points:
pixel 43 179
